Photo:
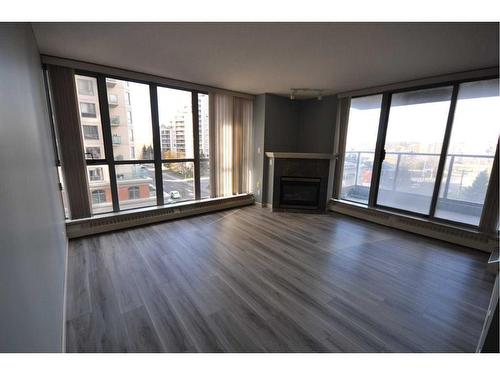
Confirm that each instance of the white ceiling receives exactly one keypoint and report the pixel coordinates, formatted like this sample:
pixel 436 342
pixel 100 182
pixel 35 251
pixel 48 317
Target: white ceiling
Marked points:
pixel 272 58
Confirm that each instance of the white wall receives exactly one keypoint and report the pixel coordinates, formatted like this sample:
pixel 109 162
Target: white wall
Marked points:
pixel 33 244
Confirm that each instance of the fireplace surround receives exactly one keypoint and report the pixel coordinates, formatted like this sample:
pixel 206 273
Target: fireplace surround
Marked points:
pixel 297 181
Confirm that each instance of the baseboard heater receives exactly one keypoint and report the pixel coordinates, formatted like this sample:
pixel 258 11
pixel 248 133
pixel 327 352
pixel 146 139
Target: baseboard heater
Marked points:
pixel 128 219
pixel 464 237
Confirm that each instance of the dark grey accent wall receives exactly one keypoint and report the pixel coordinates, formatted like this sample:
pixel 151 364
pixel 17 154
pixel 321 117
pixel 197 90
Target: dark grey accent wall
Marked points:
pixel 259 118
pixel 33 244
pixel 284 125
pixel 317 124
pixel 281 124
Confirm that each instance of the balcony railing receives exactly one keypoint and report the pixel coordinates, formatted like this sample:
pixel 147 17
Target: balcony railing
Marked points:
pixel 410 175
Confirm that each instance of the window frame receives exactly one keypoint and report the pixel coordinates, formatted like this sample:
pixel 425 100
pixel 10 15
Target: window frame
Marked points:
pixel 99 193
pixel 98 171
pixel 91 91
pixel 91 113
pixel 103 101
pixel 380 154
pixel 135 190
pixel 87 126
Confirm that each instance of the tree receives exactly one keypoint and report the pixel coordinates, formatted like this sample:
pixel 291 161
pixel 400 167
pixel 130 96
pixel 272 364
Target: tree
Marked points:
pixel 147 152
pixel 478 187
pixel 150 153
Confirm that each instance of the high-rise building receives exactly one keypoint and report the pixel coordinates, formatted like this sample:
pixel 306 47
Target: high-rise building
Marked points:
pixel 204 128
pixel 173 135
pixel 132 182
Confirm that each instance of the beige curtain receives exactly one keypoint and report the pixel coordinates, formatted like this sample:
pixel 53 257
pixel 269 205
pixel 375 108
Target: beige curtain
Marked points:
pixel 232 129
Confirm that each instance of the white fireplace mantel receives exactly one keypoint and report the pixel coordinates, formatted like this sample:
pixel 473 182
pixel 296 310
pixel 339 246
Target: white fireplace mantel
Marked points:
pixel 298 155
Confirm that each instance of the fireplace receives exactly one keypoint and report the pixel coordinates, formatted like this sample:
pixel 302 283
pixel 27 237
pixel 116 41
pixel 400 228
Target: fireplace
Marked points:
pixel 299 193
pixel 297 182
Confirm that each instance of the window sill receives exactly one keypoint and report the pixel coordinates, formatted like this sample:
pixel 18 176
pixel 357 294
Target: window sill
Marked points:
pixel 465 236
pixel 107 222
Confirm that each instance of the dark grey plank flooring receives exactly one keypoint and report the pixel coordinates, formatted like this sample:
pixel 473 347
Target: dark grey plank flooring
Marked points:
pixel 249 280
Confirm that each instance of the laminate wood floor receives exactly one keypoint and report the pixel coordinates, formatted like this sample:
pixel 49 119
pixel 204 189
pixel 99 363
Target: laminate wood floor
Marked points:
pixel 249 280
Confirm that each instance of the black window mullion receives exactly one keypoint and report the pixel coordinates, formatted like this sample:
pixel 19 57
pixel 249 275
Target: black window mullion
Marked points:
pixel 96 161
pixel 379 155
pixel 489 216
pixel 444 151
pixel 135 161
pixel 196 144
pixel 108 145
pixel 177 160
pixel 155 121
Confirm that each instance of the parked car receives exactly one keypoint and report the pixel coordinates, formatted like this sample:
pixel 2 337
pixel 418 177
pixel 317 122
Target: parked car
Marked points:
pixel 174 194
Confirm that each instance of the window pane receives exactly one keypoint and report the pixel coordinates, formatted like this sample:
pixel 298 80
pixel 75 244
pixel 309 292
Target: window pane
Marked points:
pixel 204 137
pixel 90 117
pixel 204 127
pixel 176 123
pixel 474 136
pixel 417 122
pixel 130 118
pixel 136 185
pixel 205 179
pixel 364 116
pixel 99 189
pixel 178 182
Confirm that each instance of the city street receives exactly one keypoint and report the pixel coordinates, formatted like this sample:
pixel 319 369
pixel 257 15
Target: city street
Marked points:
pixel 185 187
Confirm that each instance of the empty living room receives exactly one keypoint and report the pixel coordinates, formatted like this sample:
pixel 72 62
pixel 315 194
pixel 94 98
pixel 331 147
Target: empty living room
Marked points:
pixel 185 180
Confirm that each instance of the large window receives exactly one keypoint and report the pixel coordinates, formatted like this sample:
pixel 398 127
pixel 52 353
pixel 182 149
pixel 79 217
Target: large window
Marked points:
pixel 136 185
pixel 93 141
pixel 417 122
pixel 470 152
pixel 132 142
pixel 177 146
pixel 100 189
pixel 144 144
pixel 176 123
pixel 137 136
pixel 98 176
pixel 436 150
pixel 364 117
pixel 178 182
pixel 204 142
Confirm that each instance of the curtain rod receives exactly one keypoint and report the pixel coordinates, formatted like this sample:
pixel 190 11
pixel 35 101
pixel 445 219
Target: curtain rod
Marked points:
pixel 130 74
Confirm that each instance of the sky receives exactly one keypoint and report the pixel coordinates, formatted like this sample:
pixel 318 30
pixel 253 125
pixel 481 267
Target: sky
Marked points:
pixel 169 102
pixel 475 129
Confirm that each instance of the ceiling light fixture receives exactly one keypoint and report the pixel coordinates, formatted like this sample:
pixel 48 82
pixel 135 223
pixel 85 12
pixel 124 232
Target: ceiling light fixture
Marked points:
pixel 307 93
